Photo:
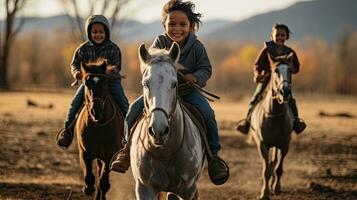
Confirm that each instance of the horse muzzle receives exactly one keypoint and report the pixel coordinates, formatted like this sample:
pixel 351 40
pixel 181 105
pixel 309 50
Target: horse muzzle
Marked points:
pixel 286 94
pixel 159 135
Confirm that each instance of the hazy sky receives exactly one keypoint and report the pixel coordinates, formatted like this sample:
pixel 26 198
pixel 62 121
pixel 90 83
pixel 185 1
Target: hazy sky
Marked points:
pixel 149 10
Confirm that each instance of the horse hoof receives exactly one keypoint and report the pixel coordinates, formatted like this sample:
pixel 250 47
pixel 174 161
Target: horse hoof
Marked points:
pixel 88 190
pixel 277 192
pixel 264 198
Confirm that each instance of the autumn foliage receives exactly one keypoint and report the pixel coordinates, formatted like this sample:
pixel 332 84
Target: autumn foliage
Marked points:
pixel 326 67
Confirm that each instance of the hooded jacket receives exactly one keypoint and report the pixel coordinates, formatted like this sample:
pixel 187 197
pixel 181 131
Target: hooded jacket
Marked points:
pixel 262 62
pixel 193 57
pixel 89 51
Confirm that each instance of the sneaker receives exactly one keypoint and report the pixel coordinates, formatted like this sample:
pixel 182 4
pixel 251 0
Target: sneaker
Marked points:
pixel 122 161
pixel 64 138
pixel 243 126
pixel 299 126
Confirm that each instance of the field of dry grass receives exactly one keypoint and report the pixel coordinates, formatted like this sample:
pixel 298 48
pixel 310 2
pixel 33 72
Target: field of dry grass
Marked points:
pixel 321 164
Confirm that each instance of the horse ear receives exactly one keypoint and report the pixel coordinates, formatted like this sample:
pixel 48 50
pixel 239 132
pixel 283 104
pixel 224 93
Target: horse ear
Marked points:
pixel 143 53
pixel 174 52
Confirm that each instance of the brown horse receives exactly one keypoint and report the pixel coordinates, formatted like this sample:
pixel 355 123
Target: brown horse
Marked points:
pixel 99 128
pixel 272 124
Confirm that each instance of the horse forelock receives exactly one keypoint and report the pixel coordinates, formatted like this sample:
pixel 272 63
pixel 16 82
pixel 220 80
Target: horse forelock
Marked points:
pixel 159 56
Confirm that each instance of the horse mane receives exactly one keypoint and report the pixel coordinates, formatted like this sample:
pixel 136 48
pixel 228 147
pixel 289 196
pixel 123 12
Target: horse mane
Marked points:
pixel 97 64
pixel 161 55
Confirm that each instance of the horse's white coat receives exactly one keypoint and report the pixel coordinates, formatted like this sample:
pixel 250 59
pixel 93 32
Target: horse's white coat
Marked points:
pixel 175 164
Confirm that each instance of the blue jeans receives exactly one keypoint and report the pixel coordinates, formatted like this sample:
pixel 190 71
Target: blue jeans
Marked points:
pixel 196 100
pixel 115 89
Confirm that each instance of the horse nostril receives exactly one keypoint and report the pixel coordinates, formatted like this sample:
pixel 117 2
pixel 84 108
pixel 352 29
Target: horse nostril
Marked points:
pixel 151 131
pixel 167 130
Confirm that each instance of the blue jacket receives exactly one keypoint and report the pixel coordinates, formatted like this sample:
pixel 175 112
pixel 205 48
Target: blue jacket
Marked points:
pixel 193 57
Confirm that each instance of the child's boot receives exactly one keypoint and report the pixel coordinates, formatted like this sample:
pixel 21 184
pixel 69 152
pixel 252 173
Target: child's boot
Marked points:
pixel 65 136
pixel 244 124
pixel 299 125
pixel 122 158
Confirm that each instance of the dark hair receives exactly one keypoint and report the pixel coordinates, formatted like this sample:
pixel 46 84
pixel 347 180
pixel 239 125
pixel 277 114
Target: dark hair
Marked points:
pixel 283 26
pixel 187 7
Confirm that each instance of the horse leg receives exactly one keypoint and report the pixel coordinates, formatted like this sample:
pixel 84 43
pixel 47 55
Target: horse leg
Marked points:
pixel 89 178
pixel 279 171
pixel 104 185
pixel 143 193
pixel 266 171
pixel 273 163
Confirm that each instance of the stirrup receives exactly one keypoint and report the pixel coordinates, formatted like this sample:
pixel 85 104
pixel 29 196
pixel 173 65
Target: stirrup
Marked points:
pixel 61 132
pixel 223 170
pixel 300 125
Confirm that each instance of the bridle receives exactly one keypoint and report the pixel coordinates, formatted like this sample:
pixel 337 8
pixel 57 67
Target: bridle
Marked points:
pixel 102 101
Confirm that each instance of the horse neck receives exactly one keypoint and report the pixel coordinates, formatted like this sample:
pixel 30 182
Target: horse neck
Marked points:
pixel 271 105
pixel 110 107
pixel 177 126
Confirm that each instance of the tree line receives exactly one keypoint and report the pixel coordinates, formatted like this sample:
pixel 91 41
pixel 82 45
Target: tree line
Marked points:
pixel 37 61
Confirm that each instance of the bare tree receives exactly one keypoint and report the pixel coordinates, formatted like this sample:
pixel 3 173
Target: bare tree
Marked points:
pixel 109 8
pixel 8 36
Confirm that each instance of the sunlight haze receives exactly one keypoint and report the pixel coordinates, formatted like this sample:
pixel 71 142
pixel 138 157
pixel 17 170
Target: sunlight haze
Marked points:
pixel 147 11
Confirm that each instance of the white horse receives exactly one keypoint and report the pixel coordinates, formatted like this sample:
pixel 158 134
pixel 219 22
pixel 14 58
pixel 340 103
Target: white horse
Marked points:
pixel 167 152
pixel 272 124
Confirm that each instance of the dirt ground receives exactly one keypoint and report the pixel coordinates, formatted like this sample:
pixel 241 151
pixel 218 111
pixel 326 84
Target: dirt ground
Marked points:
pixel 321 163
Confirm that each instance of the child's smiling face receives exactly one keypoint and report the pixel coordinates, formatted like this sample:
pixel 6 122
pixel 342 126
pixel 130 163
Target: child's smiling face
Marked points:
pixel 97 33
pixel 279 36
pixel 177 27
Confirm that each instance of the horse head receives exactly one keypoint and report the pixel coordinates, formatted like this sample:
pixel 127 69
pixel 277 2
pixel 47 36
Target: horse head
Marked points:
pixel 159 89
pixel 281 77
pixel 96 90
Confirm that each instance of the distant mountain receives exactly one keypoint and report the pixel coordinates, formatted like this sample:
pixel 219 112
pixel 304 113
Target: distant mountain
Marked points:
pixel 126 30
pixel 137 31
pixel 322 18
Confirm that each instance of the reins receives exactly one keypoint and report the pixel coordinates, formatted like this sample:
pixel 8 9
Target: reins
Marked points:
pixel 200 90
pixel 107 76
pixel 170 157
pixel 109 120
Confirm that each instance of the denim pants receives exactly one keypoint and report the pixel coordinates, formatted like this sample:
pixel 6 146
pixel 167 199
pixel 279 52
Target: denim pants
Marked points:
pixel 115 89
pixel 196 100
pixel 258 93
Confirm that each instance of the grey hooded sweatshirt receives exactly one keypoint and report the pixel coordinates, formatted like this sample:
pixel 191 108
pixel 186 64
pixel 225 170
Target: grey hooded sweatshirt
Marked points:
pixel 193 57
pixel 89 51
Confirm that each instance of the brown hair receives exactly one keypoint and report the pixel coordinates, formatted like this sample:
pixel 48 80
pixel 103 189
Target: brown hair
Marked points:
pixel 283 26
pixel 187 7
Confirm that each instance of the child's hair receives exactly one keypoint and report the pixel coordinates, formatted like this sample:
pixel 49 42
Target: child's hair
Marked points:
pixel 187 7
pixel 283 26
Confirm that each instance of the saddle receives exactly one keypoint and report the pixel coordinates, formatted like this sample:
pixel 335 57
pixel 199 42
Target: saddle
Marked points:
pixel 195 115
pixel 218 169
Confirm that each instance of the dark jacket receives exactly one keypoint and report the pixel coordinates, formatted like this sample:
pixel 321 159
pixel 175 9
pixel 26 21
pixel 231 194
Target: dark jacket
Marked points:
pixel 262 62
pixel 193 57
pixel 90 52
